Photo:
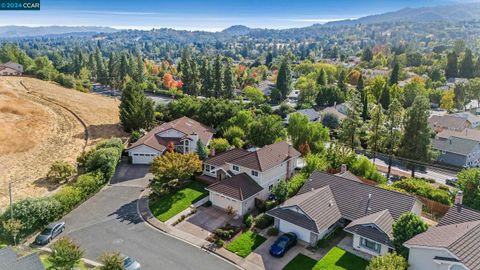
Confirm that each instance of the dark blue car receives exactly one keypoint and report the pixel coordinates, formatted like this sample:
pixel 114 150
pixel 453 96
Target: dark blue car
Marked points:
pixel 283 244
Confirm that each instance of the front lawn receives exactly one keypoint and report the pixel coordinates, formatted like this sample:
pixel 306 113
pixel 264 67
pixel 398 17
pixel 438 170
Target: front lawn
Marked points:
pixel 335 259
pixel 300 262
pixel 245 243
pixel 175 202
pixel 48 265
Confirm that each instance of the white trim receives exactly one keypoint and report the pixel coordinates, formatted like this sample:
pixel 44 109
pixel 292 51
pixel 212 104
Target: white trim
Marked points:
pixel 161 151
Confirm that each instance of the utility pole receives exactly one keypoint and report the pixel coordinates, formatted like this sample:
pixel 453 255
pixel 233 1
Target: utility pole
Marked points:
pixel 11 198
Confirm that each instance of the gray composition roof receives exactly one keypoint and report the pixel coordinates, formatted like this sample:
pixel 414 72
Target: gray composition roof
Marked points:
pixel 240 187
pixel 352 197
pixel 10 261
pixel 455 145
pixel 459 214
pixel 315 210
pixel 349 175
pixel 227 156
pixel 468 133
pixel 461 239
pixel 376 226
pixel 267 157
pixel 310 113
pixel 447 121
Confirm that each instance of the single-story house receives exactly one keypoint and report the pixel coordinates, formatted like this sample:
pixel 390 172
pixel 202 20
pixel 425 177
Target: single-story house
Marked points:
pixel 11 69
pixel 452 122
pixel 453 244
pixel 472 118
pixel 327 201
pixel 312 115
pixel 338 110
pixel 468 133
pixel 182 133
pixel 240 177
pixel 10 261
pixel 457 151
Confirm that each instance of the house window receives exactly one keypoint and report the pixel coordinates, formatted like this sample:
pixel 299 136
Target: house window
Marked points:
pixel 236 168
pixel 270 188
pixel 207 168
pixel 254 173
pixel 369 245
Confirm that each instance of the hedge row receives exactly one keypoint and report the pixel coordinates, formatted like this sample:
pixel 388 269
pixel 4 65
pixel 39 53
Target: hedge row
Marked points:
pixel 423 188
pixel 100 164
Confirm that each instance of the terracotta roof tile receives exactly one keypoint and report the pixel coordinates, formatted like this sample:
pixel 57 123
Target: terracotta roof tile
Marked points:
pixel 267 157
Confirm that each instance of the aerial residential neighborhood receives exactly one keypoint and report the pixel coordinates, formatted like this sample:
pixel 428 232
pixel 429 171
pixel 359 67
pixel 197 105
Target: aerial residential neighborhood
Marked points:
pixel 257 135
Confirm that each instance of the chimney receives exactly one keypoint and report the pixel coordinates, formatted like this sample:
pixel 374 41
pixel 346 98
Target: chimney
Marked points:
pixel 459 198
pixel 335 105
pixel 212 152
pixel 343 168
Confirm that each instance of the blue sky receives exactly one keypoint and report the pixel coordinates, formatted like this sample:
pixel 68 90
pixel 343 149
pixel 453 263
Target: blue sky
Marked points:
pixel 209 15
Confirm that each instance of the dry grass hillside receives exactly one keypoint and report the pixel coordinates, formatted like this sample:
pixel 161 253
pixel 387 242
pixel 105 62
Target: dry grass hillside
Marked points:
pixel 41 122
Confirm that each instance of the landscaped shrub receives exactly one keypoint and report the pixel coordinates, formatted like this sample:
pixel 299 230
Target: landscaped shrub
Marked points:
pixel 219 242
pixel 68 197
pixel 248 220
pixel 226 232
pixel 273 231
pixel 295 184
pixel 135 136
pixel 104 160
pixel 362 166
pixel 89 183
pixel 262 221
pixel 270 205
pixel 60 171
pixel 424 189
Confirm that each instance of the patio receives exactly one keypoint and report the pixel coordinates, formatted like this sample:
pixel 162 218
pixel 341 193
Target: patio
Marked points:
pixel 206 220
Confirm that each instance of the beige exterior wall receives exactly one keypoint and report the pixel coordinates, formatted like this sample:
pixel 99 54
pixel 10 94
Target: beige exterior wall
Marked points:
pixel 357 246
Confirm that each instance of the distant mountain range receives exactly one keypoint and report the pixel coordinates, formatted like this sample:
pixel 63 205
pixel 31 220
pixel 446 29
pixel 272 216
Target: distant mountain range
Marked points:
pixel 454 13
pixel 26 31
pixel 448 13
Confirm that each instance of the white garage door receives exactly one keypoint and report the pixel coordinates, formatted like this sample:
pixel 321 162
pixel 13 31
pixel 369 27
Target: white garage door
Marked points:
pixel 301 233
pixel 224 202
pixel 142 158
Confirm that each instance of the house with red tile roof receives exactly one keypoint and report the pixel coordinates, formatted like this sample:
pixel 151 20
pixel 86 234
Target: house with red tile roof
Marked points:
pixel 239 176
pixel 183 133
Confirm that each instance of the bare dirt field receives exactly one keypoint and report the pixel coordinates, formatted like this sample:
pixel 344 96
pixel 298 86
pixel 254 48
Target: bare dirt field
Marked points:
pixel 41 122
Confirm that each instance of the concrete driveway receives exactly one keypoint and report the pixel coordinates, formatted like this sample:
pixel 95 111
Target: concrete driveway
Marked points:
pixel 109 221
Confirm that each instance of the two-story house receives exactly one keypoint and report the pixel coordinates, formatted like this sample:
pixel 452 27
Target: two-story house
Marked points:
pixel 182 134
pixel 242 176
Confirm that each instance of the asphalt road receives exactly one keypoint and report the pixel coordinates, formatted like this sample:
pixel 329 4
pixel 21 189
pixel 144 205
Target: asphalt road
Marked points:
pixel 109 221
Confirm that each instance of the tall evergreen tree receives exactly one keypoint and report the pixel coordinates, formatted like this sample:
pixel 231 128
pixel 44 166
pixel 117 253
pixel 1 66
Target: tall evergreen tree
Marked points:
pixel 206 78
pixel 102 75
pixel 467 70
pixel 385 98
pixel 393 124
pixel 375 129
pixel 136 110
pixel 342 76
pixel 284 79
pixel 113 79
pixel 269 59
pixel 395 73
pixel 351 126
pixel 451 70
pixel 139 75
pixel 217 77
pixel 363 97
pixel 415 143
pixel 322 79
pixel 123 68
pixel 92 66
pixel 367 55
pixel 228 79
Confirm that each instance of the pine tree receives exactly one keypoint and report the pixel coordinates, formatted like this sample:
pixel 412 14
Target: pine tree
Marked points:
pixel 206 78
pixel 269 59
pixel 101 71
pixel 393 124
pixel 395 73
pixel 322 79
pixel 228 80
pixel 136 109
pixel 367 55
pixel 341 81
pixel 452 65
pixel 467 70
pixel 92 66
pixel 351 126
pixel 113 79
pixel 139 75
pixel 123 68
pixel 376 129
pixel 284 79
pixel 385 98
pixel 415 142
pixel 194 78
pixel 185 69
pixel 363 97
pixel 217 77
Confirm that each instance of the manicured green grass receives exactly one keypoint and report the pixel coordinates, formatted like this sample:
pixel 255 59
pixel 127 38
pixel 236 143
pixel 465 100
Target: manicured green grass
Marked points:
pixel 335 259
pixel 47 264
pixel 175 202
pixel 300 262
pixel 245 243
pixel 339 259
